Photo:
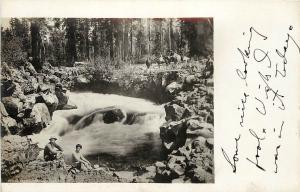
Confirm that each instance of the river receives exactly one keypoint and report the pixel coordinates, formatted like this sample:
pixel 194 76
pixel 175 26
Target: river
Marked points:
pixel 121 142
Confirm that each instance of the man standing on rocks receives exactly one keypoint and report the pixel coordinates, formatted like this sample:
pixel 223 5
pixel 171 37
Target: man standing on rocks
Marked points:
pixel 50 154
pixel 61 95
pixel 79 162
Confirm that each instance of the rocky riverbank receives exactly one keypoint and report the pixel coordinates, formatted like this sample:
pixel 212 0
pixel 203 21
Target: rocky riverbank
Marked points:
pixel 30 98
pixel 187 135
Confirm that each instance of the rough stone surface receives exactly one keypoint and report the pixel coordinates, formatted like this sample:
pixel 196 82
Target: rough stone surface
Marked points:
pixel 16 152
pixel 174 112
pixel 12 105
pixel 82 80
pixel 30 86
pixel 3 110
pixel 8 126
pixel 173 88
pixel 51 101
pixel 187 141
pixel 7 87
pixel 39 118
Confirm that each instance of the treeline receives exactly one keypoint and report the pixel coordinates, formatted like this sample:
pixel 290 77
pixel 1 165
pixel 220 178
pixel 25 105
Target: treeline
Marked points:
pixel 62 41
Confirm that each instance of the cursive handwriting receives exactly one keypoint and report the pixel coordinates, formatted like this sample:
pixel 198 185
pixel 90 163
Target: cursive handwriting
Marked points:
pixel 265 55
pixel 234 158
pixel 281 129
pixel 264 69
pixel 268 89
pixel 276 159
pixel 243 109
pixel 263 109
pixel 246 53
pixel 283 55
pixel 258 148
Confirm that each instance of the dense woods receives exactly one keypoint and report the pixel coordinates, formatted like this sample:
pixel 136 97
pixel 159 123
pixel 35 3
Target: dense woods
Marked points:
pixel 63 41
pixel 142 90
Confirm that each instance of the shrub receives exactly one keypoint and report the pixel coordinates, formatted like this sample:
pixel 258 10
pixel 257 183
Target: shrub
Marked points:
pixel 103 67
pixel 12 52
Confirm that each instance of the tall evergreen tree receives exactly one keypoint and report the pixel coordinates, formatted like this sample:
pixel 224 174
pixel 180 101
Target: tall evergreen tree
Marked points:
pixel 71 40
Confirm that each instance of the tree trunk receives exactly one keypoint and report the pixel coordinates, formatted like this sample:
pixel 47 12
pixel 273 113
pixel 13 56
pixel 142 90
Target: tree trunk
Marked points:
pixel 149 36
pixel 126 40
pixel 161 36
pixel 170 35
pixel 111 41
pixel 35 45
pixel 71 43
pixel 87 43
pixel 131 38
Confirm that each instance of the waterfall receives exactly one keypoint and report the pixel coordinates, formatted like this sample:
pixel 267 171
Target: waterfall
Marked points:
pixel 135 127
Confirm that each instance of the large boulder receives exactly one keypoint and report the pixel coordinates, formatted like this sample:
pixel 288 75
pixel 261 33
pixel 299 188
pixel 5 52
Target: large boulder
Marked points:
pixel 177 165
pixel 7 87
pixel 183 151
pixel 8 126
pixel 190 80
pixel 18 92
pixel 30 86
pixel 199 175
pixel 29 68
pixel 53 79
pixel 147 177
pixel 81 79
pixel 12 105
pixel 173 88
pixel 210 82
pixel 173 135
pixel 16 152
pixel 51 101
pixel 3 110
pixel 193 124
pixel 210 143
pixel 199 145
pixel 44 88
pixel 28 102
pixel 5 70
pixel 174 112
pixel 113 115
pixel 160 167
pixel 200 132
pixel 39 118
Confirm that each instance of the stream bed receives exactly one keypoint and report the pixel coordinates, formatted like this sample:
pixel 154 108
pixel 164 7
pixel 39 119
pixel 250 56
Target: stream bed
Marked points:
pixel 115 131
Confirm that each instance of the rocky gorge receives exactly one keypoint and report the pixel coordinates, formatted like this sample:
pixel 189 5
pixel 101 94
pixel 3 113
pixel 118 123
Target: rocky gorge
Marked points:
pixel 29 99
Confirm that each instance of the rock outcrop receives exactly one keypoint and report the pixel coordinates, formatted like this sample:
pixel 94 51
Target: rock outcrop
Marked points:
pixel 187 135
pixel 40 171
pixel 30 98
pixel 16 153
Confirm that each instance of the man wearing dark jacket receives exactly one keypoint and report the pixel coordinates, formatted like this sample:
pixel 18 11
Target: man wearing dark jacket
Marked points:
pixel 52 150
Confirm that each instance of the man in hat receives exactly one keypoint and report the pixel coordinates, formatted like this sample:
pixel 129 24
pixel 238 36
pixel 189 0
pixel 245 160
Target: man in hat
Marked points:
pixel 50 152
pixel 79 161
pixel 61 95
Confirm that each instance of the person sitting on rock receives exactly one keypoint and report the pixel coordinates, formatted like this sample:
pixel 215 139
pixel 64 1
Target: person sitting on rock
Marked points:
pixel 61 95
pixel 50 152
pixel 79 161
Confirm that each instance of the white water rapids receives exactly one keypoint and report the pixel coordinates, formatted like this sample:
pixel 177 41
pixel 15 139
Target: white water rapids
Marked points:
pixel 97 137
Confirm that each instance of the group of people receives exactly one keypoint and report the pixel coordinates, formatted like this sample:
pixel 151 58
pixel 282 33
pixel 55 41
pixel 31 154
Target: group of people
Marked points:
pixel 170 56
pixel 53 151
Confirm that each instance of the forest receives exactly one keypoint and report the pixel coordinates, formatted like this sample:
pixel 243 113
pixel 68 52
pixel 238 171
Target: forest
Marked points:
pixel 136 93
pixel 64 41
